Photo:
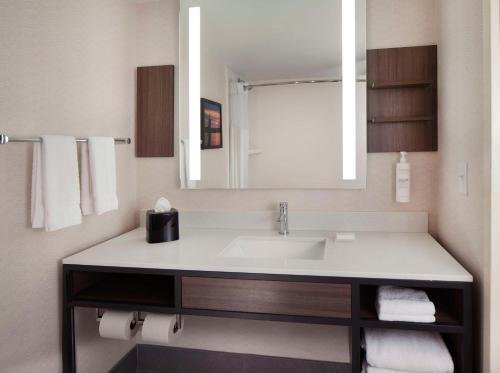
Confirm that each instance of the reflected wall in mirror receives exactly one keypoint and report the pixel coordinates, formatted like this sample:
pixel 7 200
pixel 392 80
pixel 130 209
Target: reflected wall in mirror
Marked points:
pixel 275 67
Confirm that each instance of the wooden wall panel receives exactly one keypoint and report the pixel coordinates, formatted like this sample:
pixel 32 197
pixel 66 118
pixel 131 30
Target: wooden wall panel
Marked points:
pixel 270 297
pixel 155 111
pixel 402 99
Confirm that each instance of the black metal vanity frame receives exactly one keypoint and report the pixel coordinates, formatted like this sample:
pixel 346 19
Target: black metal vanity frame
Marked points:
pixel 455 326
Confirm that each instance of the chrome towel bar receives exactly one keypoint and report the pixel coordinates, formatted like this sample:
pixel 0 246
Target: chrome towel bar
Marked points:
pixel 4 139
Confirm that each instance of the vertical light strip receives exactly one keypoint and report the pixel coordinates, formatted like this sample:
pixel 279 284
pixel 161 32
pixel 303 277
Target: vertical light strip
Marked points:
pixel 194 94
pixel 349 89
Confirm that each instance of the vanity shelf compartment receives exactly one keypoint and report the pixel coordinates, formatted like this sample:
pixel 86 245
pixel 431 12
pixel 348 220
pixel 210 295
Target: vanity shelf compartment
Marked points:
pixel 448 311
pixel 123 289
pixel 401 84
pixel 455 344
pixel 328 300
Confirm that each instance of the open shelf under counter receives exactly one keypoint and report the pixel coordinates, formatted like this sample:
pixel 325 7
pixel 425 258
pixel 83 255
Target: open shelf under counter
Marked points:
pixel 123 290
pixel 448 315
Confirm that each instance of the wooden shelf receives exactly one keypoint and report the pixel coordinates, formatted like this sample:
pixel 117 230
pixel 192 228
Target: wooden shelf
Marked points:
pixel 445 321
pixel 434 327
pixel 400 119
pixel 401 84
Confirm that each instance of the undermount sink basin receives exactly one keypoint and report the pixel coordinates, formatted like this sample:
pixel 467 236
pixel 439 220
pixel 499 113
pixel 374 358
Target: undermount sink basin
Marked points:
pixel 310 248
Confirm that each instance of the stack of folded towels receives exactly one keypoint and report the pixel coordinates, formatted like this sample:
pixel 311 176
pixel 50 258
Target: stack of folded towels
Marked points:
pixel 403 304
pixel 405 351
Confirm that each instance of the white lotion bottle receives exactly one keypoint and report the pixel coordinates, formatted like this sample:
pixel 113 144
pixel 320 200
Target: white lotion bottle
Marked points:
pixel 403 180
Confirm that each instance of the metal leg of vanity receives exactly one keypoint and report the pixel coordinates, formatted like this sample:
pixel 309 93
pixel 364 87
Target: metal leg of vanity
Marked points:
pixel 68 326
pixel 355 329
pixel 334 301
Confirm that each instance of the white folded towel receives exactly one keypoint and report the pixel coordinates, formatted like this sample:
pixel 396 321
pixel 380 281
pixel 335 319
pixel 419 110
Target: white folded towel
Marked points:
pixel 55 190
pixel 98 176
pixel 393 300
pixel 369 369
pixel 407 350
pixel 407 318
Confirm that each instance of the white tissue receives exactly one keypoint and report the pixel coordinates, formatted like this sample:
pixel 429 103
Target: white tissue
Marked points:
pixel 162 205
pixel 117 325
pixel 159 328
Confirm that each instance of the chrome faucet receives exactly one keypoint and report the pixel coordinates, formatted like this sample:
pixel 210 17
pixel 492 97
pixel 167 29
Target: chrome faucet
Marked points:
pixel 283 219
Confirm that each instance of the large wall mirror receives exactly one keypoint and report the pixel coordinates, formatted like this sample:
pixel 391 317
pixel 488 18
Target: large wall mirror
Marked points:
pixel 272 94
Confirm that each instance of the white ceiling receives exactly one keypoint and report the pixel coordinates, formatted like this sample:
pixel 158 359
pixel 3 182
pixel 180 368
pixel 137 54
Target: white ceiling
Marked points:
pixel 275 39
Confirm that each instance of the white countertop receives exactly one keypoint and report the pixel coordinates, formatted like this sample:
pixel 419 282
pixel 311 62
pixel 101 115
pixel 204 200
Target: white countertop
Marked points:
pixel 411 256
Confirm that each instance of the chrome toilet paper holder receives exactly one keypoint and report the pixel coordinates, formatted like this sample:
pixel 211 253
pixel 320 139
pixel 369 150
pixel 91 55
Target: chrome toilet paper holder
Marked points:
pixel 139 318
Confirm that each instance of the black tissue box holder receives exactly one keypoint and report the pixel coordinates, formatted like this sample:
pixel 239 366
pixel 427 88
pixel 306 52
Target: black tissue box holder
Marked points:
pixel 162 226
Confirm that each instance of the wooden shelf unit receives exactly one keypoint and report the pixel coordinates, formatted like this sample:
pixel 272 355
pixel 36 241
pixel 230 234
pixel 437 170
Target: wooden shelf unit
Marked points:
pixel 402 90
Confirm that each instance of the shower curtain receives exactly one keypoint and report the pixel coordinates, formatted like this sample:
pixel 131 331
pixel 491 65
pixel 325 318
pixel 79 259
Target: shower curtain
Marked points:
pixel 184 166
pixel 238 132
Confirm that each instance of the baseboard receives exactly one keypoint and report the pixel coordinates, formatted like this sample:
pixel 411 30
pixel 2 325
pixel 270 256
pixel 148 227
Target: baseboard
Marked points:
pixel 161 359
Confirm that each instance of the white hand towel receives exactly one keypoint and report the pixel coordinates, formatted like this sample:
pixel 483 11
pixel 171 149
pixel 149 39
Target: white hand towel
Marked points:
pixel 86 198
pixel 99 176
pixel 407 350
pixel 37 210
pixel 55 191
pixel 396 300
pixel 407 318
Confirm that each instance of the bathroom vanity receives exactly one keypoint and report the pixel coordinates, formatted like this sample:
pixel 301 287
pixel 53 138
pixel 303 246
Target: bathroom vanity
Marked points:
pixel 309 276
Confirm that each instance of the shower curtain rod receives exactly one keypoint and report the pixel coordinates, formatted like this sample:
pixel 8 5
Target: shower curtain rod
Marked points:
pixel 292 82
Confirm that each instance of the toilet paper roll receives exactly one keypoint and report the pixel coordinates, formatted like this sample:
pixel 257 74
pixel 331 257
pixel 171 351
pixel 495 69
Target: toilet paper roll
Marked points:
pixel 117 325
pixel 158 328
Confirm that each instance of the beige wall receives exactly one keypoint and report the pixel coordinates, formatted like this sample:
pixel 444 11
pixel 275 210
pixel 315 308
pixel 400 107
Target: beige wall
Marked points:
pixel 462 223
pixel 66 67
pixel 407 22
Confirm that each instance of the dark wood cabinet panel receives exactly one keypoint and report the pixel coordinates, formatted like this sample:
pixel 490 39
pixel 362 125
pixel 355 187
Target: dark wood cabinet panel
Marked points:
pixel 155 111
pixel 270 297
pixel 402 99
